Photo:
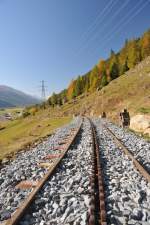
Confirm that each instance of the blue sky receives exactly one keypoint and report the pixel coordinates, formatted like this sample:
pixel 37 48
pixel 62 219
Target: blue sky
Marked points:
pixel 56 40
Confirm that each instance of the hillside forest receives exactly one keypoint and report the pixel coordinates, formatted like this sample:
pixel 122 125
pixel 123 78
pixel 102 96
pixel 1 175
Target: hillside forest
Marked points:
pixel 133 52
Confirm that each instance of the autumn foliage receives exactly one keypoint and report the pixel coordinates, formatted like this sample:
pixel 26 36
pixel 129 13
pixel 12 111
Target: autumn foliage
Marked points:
pixel 117 64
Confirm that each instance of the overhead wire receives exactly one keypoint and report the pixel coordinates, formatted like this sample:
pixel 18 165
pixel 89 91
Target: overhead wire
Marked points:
pixel 100 14
pixel 99 19
pixel 105 25
pixel 128 18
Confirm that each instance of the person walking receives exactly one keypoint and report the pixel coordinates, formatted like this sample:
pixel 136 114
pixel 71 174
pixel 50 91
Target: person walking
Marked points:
pixel 125 118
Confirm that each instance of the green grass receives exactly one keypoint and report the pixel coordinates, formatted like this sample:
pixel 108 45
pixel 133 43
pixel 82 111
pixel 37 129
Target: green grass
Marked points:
pixel 10 110
pixel 145 136
pixel 21 132
pixel 144 110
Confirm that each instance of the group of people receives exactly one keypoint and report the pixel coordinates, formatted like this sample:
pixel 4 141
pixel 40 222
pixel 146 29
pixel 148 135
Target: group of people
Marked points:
pixel 124 118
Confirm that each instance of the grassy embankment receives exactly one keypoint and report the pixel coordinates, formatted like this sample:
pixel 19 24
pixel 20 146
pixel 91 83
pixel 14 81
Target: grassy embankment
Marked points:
pixel 20 132
pixel 131 91
pixel 13 111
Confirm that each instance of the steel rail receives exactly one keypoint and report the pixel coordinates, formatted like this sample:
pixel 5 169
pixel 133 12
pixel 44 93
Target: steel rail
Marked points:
pixel 19 213
pixel 98 210
pixel 138 166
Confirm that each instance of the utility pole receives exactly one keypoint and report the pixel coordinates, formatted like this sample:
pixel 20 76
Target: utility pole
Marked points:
pixel 43 90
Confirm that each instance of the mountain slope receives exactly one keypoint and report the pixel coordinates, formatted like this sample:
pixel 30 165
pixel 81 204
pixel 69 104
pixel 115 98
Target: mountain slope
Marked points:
pixel 10 97
pixel 4 104
pixel 131 91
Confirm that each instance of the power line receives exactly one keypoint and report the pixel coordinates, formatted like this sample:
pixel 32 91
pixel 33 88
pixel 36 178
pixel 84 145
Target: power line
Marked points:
pixel 130 19
pixel 105 25
pixel 102 13
pixel 125 20
pixel 99 18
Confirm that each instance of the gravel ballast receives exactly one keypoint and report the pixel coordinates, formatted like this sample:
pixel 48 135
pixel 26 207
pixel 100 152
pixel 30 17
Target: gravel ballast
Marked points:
pixel 65 198
pixel 135 144
pixel 127 192
pixel 26 167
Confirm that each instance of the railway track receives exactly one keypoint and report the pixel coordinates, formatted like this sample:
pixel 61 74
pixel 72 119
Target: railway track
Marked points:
pixel 127 189
pixel 92 190
pixel 27 173
pixel 82 186
pixel 136 145
pixel 138 166
pixel 15 218
pixel 104 215
pixel 98 216
pixel 93 181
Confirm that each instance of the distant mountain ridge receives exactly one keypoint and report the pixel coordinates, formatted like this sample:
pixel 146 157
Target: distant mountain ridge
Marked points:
pixel 10 97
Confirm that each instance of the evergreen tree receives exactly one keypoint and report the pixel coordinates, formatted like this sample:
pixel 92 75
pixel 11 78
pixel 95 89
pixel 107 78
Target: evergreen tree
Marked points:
pixel 112 53
pixel 64 96
pixel 49 101
pixel 59 101
pixel 78 87
pixel 124 67
pixel 114 71
pixel 145 44
pixel 71 90
pixel 122 59
pixel 102 68
pixel 134 54
pixel 54 99
pixel 104 81
pixel 86 82
pixel 94 79
pixel 113 64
